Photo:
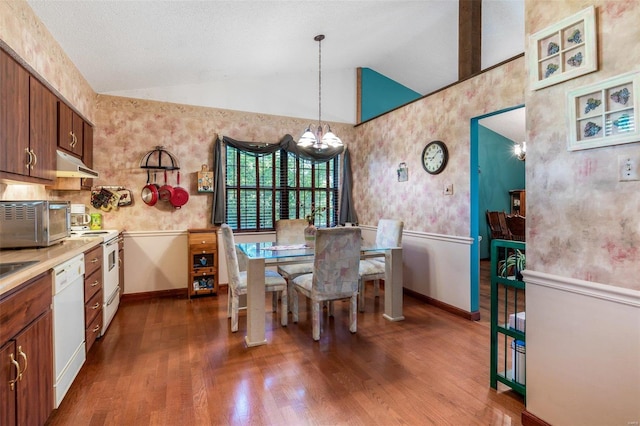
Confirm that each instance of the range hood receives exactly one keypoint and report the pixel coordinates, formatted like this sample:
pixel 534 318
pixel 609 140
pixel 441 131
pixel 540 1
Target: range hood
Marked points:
pixel 70 166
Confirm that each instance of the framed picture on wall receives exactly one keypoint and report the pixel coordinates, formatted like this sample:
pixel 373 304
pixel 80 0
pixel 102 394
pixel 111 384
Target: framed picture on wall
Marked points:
pixel 564 50
pixel 605 113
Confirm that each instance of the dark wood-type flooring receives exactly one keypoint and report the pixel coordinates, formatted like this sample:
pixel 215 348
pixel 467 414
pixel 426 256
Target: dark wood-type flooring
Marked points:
pixel 171 361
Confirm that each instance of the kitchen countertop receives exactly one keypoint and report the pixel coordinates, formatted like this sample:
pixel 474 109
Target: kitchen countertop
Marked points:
pixel 47 258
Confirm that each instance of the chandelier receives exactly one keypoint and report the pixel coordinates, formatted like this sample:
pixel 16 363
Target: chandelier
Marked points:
pixel 323 137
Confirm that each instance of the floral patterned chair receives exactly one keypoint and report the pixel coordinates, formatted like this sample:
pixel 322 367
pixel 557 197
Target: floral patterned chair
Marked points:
pixel 388 234
pixel 273 282
pixel 335 274
pixel 291 231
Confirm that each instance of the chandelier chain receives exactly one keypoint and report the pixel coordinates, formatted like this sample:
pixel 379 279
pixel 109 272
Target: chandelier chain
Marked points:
pixel 320 81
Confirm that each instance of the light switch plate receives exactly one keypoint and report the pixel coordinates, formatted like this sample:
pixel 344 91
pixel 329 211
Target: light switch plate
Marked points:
pixel 627 168
pixel 448 189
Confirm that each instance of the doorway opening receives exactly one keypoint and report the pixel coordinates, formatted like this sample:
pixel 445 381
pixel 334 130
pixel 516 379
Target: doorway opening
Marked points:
pixel 493 137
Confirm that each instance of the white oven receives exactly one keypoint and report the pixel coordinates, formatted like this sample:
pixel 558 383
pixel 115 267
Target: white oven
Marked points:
pixel 110 272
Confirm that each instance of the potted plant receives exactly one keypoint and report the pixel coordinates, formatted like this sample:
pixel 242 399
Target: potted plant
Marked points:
pixel 513 265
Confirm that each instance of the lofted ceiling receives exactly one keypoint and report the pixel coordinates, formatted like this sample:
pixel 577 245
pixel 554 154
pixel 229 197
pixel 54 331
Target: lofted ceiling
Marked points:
pixel 123 45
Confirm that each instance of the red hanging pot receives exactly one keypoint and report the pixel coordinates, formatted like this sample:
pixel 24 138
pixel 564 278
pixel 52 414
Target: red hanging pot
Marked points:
pixel 180 195
pixel 165 193
pixel 149 193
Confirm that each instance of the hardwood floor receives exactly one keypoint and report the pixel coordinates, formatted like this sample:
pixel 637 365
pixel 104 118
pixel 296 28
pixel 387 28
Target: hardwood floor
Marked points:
pixel 169 361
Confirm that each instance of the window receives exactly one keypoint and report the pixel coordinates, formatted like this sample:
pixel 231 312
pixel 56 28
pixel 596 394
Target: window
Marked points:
pixel 263 189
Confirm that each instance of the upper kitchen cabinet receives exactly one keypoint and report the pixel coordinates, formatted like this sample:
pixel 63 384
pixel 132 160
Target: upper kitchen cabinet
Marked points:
pixel 43 130
pixel 70 130
pixel 27 125
pixel 87 155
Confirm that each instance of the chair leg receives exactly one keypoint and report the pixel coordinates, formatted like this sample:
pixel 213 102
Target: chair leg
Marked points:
pixel 315 318
pixel 229 296
pixel 290 291
pixel 235 301
pixel 353 315
pixel 361 285
pixel 294 310
pixel 274 301
pixel 376 288
pixel 285 308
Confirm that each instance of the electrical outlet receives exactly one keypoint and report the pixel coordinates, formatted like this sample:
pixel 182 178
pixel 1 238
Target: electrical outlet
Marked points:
pixel 627 168
pixel 448 189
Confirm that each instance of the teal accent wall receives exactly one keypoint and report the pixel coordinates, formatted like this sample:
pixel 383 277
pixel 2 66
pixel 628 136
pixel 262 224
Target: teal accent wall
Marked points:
pixel 380 94
pixel 500 172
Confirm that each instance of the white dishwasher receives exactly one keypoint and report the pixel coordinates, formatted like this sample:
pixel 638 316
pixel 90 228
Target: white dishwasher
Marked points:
pixel 68 324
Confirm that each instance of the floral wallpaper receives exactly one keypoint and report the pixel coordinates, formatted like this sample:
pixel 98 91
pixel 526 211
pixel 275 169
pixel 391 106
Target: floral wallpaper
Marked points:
pixel 582 222
pixel 37 50
pixel 400 136
pixel 126 129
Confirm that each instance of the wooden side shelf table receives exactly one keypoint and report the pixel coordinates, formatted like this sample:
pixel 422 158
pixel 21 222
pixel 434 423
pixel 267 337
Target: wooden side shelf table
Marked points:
pixel 203 261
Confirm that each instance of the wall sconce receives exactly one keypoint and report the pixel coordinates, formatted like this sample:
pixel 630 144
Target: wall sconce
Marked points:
pixel 403 172
pixel 520 150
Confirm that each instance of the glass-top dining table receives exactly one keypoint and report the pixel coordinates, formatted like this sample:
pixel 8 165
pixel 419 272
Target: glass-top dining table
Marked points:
pixel 265 254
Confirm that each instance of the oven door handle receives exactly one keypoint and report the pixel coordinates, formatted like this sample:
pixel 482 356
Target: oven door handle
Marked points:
pixel 112 242
pixel 113 296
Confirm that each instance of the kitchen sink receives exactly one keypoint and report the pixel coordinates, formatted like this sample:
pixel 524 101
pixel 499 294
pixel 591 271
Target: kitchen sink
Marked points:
pixel 11 267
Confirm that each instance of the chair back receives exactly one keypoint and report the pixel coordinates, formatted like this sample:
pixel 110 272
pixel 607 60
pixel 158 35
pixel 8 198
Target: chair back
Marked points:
pixel 497 222
pixel 290 231
pixel 336 262
pixel 389 233
pixel 231 257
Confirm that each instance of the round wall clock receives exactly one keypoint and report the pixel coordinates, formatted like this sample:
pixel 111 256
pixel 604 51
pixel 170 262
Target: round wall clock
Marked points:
pixel 435 157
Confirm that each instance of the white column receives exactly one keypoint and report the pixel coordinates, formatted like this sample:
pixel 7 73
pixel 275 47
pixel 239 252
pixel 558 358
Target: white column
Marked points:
pixel 393 285
pixel 255 303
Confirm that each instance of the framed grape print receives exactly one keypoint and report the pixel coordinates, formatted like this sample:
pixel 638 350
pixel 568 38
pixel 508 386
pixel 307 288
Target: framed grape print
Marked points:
pixel 564 50
pixel 605 113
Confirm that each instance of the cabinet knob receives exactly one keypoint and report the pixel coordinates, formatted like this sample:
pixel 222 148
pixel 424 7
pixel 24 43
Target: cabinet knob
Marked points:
pixel 35 159
pixel 96 328
pixel 95 283
pixel 96 306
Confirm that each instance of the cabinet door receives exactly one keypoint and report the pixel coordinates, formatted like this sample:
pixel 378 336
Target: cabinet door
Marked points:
pixel 7 395
pixel 14 116
pixel 34 349
pixel 43 130
pixel 70 131
pixel 87 153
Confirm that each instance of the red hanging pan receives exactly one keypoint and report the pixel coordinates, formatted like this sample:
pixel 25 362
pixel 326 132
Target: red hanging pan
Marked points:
pixel 149 193
pixel 180 195
pixel 165 193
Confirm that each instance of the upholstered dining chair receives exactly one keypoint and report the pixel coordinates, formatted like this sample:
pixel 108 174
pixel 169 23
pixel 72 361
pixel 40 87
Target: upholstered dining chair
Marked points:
pixel 334 277
pixel 291 231
pixel 273 282
pixel 388 234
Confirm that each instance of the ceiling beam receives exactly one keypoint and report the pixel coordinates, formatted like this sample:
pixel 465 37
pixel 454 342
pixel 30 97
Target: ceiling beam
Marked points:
pixel 469 38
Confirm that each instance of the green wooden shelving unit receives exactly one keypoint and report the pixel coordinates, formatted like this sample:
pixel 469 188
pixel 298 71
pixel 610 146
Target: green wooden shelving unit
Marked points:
pixel 508 340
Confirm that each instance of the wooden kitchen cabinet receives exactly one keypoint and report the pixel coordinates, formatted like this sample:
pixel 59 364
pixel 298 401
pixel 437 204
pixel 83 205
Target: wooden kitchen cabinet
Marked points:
pixel 27 125
pixel 26 353
pixel 70 130
pixel 87 153
pixel 203 262
pixel 92 295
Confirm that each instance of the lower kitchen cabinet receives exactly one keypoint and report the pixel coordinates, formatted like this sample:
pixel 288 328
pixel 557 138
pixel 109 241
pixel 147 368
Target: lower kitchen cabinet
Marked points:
pixel 26 354
pixel 92 295
pixel 203 262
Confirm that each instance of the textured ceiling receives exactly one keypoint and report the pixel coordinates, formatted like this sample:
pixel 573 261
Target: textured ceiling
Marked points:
pixel 124 45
